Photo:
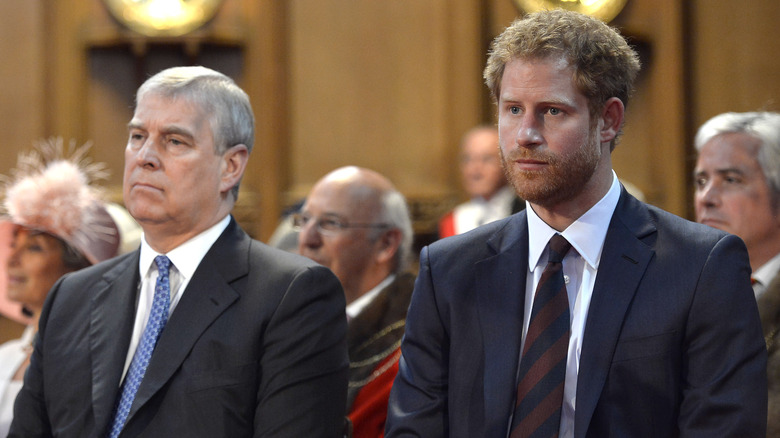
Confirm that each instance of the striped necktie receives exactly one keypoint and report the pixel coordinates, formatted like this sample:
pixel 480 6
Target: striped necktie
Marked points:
pixel 543 363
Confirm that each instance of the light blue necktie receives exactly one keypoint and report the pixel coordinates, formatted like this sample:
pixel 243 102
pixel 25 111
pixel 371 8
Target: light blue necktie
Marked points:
pixel 154 326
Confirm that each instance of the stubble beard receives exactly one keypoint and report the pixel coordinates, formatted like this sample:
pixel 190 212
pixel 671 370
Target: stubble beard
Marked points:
pixel 562 179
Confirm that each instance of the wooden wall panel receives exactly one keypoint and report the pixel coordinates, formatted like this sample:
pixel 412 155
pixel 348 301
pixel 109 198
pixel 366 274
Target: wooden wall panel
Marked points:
pixel 735 57
pixel 23 102
pixel 386 85
pixel 390 85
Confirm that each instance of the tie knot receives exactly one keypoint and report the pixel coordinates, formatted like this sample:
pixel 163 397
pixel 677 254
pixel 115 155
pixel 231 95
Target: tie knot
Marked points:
pixel 559 246
pixel 163 263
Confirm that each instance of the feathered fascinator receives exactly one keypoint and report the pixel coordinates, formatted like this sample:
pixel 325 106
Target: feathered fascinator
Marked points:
pixel 54 194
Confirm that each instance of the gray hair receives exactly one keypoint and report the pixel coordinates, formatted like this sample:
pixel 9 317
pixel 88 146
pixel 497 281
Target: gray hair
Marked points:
pixel 395 213
pixel 226 104
pixel 764 126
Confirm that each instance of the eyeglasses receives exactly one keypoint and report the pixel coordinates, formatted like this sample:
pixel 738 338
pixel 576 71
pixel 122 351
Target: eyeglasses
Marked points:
pixel 329 224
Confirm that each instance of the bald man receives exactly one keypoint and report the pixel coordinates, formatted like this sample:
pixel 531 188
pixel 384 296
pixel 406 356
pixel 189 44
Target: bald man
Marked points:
pixel 357 224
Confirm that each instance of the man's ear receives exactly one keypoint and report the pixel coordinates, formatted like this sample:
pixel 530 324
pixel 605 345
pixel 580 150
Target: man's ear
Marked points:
pixel 388 244
pixel 234 162
pixel 612 118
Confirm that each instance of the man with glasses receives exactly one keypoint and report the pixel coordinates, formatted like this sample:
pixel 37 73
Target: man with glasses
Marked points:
pixel 357 224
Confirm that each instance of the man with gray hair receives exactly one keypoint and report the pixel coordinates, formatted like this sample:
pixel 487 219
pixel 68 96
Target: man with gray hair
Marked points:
pixel 202 331
pixel 737 180
pixel 357 224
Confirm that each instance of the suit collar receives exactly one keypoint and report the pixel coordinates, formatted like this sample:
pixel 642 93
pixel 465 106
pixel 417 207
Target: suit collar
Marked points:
pixel 207 295
pixel 586 234
pixel 112 314
pixel 628 249
pixel 500 291
pixel 187 256
pixel 501 279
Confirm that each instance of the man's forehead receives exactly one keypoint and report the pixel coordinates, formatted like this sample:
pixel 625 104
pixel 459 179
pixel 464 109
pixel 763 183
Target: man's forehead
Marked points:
pixel 728 151
pixel 342 200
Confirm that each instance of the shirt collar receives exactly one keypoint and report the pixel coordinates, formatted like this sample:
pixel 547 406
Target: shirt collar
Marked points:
pixel 354 308
pixel 586 234
pixel 767 271
pixel 187 256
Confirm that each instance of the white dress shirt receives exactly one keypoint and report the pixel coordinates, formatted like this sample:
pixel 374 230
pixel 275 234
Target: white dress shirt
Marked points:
pixel 580 267
pixel 354 308
pixel 764 275
pixel 13 353
pixel 184 261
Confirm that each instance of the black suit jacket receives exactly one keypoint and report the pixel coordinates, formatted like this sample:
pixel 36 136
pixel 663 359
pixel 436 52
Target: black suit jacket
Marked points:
pixel 255 347
pixel 672 344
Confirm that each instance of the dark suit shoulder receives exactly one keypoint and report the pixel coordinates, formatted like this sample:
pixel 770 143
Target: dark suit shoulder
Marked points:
pixel 671 228
pixel 270 256
pixel 278 265
pixel 98 270
pixel 83 279
pixel 481 241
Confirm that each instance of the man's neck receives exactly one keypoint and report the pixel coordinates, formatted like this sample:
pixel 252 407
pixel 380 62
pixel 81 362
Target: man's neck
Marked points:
pixel 759 256
pixel 560 215
pixel 164 237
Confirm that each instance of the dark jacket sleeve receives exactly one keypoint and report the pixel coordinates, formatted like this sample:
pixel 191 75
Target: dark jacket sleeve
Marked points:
pixel 30 416
pixel 724 369
pixel 418 399
pixel 304 369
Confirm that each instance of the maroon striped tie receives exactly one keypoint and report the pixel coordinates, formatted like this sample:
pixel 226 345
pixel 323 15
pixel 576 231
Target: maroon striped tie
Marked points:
pixel 543 363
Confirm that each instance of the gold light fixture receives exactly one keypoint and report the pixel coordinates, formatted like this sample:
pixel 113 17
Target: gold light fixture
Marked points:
pixel 163 17
pixel 604 10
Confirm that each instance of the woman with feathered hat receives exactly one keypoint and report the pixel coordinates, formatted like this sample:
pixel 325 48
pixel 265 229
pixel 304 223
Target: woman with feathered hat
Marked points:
pixel 59 225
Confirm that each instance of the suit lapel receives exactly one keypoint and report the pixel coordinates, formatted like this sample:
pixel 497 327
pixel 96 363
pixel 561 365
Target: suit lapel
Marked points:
pixel 623 263
pixel 112 314
pixel 207 295
pixel 500 282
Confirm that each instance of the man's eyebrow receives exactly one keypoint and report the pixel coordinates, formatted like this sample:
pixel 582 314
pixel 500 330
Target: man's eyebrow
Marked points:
pixel 178 130
pixel 720 171
pixel 726 170
pixel 167 130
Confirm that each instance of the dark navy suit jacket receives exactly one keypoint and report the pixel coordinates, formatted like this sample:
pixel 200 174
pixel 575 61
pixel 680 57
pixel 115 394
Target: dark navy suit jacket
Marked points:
pixel 672 344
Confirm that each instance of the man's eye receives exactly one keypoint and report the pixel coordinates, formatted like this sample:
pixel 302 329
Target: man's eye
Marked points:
pixel 554 111
pixel 330 224
pixel 514 110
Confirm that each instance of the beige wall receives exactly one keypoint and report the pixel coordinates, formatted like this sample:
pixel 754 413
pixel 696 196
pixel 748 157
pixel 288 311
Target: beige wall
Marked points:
pixel 385 85
pixel 735 57
pixel 22 78
pixel 389 85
